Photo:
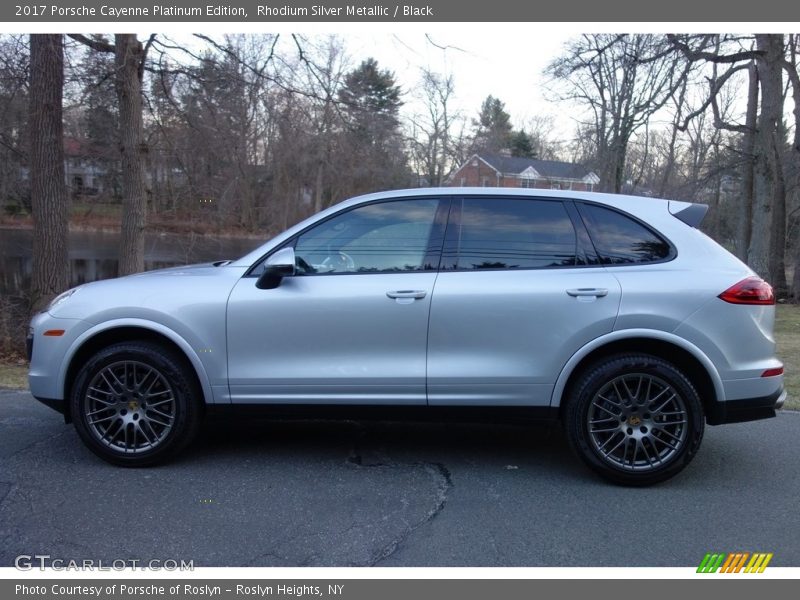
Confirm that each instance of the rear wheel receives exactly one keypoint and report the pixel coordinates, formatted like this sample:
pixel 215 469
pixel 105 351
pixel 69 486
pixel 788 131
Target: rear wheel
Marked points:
pixel 136 404
pixel 634 419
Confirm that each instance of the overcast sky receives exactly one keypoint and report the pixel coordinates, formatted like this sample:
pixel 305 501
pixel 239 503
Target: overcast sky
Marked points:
pixel 500 61
pixel 507 66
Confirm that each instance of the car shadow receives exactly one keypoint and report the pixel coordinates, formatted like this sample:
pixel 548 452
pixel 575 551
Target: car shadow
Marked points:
pixel 369 442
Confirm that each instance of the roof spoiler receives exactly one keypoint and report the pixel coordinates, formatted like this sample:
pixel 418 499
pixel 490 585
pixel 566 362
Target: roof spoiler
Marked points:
pixel 690 213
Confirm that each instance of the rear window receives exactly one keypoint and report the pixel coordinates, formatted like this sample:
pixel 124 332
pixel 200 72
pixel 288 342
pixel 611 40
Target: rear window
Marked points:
pixel 499 233
pixel 621 240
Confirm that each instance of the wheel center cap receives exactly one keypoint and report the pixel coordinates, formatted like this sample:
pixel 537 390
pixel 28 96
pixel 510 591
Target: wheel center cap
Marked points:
pixel 634 420
pixel 133 405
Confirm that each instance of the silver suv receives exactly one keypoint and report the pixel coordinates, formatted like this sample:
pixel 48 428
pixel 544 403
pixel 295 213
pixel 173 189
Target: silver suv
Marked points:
pixel 613 314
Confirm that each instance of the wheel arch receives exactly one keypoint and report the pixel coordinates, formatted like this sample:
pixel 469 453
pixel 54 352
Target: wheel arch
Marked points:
pixel 684 355
pixel 126 330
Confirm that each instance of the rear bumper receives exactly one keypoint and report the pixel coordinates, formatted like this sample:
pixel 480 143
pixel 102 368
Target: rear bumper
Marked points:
pixel 747 409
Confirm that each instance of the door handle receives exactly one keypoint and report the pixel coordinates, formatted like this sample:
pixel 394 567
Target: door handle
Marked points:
pixel 412 294
pixel 596 292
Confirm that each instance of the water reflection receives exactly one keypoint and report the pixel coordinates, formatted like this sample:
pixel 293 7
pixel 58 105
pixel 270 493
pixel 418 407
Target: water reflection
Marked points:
pixel 94 255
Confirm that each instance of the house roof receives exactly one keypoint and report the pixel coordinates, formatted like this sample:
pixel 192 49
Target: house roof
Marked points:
pixel 550 169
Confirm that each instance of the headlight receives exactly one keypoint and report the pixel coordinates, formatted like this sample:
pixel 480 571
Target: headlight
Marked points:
pixel 61 298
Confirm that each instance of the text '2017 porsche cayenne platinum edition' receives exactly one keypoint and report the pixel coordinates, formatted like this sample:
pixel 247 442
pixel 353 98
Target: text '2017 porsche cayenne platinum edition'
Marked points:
pixel 613 314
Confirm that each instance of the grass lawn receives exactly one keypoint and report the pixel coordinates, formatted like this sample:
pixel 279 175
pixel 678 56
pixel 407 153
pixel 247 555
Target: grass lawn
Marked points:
pixel 787 332
pixel 13 375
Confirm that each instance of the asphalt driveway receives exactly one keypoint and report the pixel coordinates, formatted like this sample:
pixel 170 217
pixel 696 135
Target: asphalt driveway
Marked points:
pixel 269 493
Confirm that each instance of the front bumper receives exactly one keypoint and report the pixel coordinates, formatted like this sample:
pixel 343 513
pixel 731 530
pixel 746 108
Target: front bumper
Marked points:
pixel 57 405
pixel 747 409
pixel 48 353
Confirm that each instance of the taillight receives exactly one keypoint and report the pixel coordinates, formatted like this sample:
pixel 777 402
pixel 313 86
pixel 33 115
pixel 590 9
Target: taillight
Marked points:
pixel 752 290
pixel 773 372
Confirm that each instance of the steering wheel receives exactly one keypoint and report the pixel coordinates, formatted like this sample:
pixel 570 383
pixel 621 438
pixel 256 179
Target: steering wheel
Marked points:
pixel 339 262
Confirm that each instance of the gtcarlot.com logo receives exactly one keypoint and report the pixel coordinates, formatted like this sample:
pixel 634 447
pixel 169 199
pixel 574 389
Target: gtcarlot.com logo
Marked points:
pixel 735 562
pixel 28 562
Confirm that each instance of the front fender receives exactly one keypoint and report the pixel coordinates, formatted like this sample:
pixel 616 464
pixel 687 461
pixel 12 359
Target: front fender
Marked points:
pixel 185 347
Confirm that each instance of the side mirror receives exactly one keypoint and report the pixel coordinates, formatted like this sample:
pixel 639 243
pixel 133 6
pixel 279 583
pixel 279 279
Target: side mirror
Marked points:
pixel 279 265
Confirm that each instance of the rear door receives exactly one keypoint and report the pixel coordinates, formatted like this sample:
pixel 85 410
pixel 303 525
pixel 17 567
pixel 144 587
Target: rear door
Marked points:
pixel 519 291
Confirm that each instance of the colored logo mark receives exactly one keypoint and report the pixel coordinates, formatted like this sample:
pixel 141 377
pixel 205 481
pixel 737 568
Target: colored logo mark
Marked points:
pixel 735 562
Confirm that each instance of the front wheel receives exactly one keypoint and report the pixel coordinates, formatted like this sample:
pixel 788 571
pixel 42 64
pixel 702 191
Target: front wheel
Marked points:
pixel 135 404
pixel 635 419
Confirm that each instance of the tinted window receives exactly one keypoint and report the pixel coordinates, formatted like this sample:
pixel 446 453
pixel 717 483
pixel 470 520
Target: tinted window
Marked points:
pixel 621 240
pixel 386 237
pixel 497 233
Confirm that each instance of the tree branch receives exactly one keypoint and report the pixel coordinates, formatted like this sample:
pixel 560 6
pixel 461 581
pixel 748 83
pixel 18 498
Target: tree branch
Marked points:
pixel 716 86
pixel 794 79
pixel 696 55
pixel 146 49
pixel 93 43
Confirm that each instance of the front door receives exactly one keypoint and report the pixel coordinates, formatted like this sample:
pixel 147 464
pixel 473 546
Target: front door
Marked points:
pixel 352 326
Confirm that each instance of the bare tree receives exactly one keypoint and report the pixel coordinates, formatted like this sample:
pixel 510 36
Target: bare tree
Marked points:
pixel 792 69
pixel 129 56
pixel 129 62
pixel 48 188
pixel 744 228
pixel 541 130
pixel 622 80
pixel 14 131
pixel 434 133
pixel 767 244
pixel 769 207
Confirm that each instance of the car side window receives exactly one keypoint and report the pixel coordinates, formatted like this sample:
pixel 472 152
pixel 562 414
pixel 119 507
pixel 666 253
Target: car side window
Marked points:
pixel 384 237
pixel 620 239
pixel 509 233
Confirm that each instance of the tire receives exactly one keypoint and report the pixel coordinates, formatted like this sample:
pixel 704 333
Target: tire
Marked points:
pixel 634 419
pixel 136 404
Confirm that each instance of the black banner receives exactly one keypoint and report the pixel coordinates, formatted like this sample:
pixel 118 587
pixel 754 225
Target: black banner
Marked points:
pixel 428 11
pixel 389 589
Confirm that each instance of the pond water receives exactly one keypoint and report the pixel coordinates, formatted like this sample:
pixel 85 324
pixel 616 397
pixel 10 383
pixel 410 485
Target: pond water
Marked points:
pixel 95 254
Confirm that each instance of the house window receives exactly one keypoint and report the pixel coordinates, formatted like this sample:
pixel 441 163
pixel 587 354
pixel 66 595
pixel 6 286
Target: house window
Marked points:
pixel 526 183
pixel 484 181
pixel 555 185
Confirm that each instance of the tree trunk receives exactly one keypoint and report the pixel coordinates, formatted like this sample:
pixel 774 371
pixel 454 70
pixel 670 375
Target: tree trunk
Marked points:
pixel 772 104
pixel 712 229
pixel 318 188
pixel 745 213
pixel 769 193
pixel 794 166
pixel 666 175
pixel 129 55
pixel 777 255
pixel 48 188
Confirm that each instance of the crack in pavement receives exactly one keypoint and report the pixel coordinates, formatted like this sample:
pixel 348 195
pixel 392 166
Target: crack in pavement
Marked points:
pixel 440 475
pixel 438 472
